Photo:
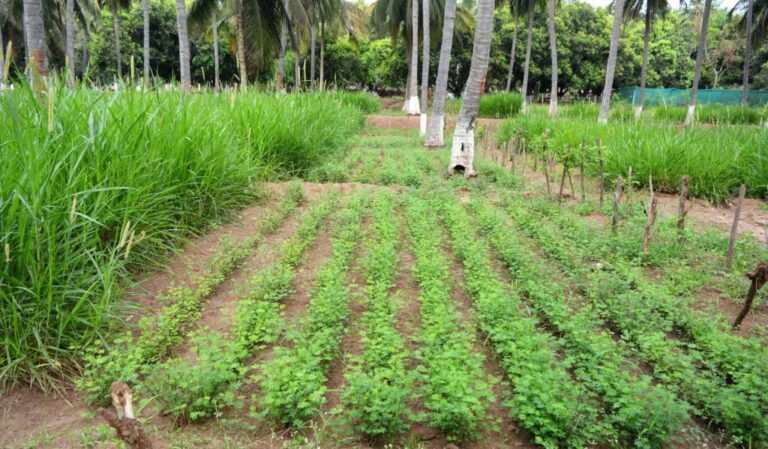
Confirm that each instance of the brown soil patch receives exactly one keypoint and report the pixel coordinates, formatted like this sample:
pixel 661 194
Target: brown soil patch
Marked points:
pixel 412 122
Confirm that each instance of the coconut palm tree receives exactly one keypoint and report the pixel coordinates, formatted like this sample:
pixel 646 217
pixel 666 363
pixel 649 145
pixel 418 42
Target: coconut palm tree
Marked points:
pixel 216 59
pixel 115 6
pixel 610 70
pixel 424 69
pixel 435 137
pixel 3 14
pixel 413 94
pixel 513 50
pixel 145 4
pixel 553 52
pixel 70 42
pixel 34 32
pixel 653 9
pixel 281 55
pixel 463 150
pixel 184 53
pixel 699 60
pixel 530 8
pixel 752 35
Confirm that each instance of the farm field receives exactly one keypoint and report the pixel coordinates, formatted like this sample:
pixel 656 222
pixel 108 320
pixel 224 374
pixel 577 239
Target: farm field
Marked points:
pixel 372 302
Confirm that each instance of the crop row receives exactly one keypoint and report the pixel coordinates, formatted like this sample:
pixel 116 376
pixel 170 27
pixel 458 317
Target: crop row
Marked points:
pixel 378 386
pixel 200 388
pixel 546 402
pixel 129 355
pixel 718 372
pixel 644 415
pixel 293 383
pixel 454 387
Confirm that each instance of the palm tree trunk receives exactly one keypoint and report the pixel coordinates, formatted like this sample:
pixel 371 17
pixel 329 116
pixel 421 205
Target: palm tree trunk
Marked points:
pixel 463 150
pixel 644 70
pixel 184 54
pixel 699 60
pixel 84 57
pixel 35 35
pixel 118 50
pixel 216 61
pixel 146 43
pixel 437 122
pixel 424 68
pixel 407 96
pixel 297 67
pixel 240 26
pixel 413 95
pixel 605 105
pixel 312 45
pixel 281 56
pixel 322 54
pixel 2 58
pixel 747 55
pixel 70 43
pixel 524 88
pixel 553 52
pixel 512 56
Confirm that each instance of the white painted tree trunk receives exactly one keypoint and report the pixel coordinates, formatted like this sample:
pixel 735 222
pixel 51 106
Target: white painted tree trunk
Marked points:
pixel 322 54
pixel 436 136
pixel 312 46
pixel 184 54
pixel 699 60
pixel 34 30
pixel 605 105
pixel 524 87
pixel 241 56
pixel 3 81
pixel 644 70
pixel 424 68
pixel 413 96
pixel 553 52
pixel 463 150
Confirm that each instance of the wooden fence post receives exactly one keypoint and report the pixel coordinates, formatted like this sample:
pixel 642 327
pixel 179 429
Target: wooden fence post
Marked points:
pixel 651 218
pixel 581 173
pixel 616 200
pixel 734 228
pixel 546 174
pixel 629 192
pixel 602 172
pixel 758 277
pixel 683 208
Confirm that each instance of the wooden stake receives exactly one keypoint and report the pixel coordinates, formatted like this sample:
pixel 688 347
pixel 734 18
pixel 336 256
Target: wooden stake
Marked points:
pixel 629 192
pixel 758 277
pixel 562 184
pixel 616 200
pixel 602 172
pixel 651 219
pixel 683 208
pixel 570 181
pixel 734 228
pixel 546 175
pixel 581 173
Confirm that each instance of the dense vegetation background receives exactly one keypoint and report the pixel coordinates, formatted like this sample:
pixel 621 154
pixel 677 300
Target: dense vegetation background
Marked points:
pixel 367 57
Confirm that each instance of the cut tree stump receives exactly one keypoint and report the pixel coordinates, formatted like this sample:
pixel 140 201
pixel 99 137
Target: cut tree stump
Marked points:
pixel 758 277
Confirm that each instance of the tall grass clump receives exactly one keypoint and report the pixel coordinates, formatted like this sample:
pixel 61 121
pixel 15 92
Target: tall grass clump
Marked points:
pixel 365 102
pixel 716 114
pixel 717 159
pixel 94 185
pixel 497 105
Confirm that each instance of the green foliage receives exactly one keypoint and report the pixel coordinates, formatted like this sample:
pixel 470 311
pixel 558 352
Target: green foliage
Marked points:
pixel 365 102
pixel 493 105
pixel 293 382
pixel 378 386
pixel 455 388
pixel 132 355
pixel 717 159
pixel 716 114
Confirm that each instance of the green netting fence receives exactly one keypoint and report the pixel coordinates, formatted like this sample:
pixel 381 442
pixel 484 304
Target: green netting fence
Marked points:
pixel 680 97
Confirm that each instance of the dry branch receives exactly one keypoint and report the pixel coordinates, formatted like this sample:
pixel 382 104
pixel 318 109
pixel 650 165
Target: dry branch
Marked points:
pixel 758 277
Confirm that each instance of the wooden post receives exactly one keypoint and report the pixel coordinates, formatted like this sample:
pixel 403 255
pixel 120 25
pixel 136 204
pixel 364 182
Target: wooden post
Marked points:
pixel 562 185
pixel 570 182
pixel 602 172
pixel 683 208
pixel 734 228
pixel 629 192
pixel 758 277
pixel 616 200
pixel 651 219
pixel 525 165
pixel 581 173
pixel 546 174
